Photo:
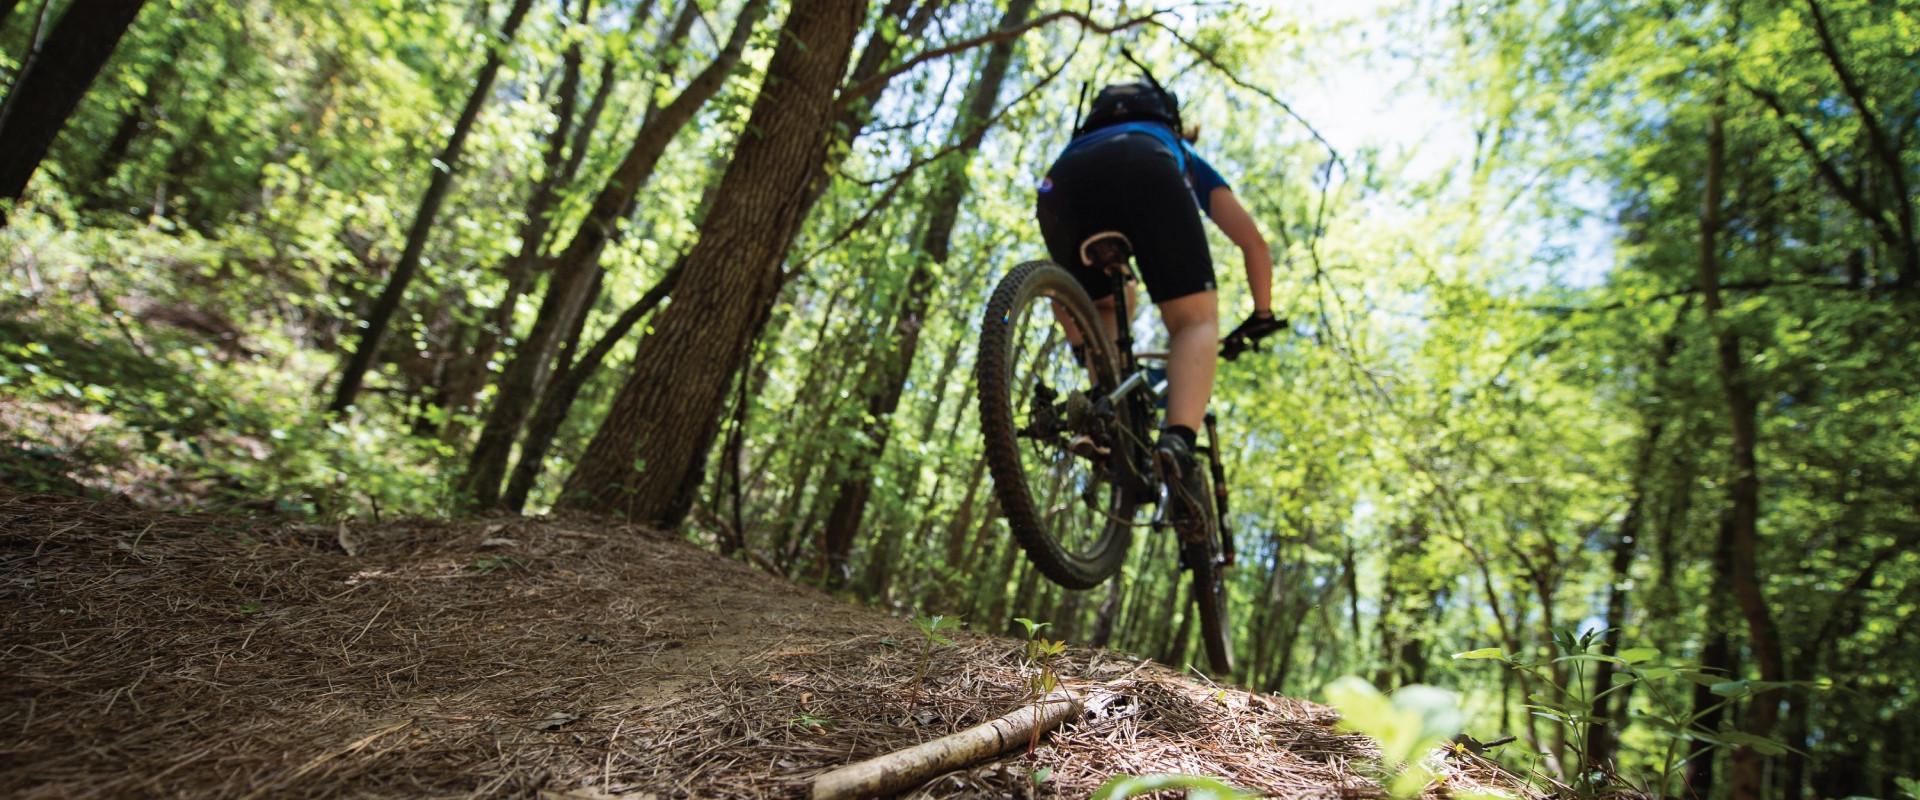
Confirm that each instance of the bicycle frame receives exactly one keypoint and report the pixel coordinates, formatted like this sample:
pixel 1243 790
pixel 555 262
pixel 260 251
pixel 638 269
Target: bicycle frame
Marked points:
pixel 1135 378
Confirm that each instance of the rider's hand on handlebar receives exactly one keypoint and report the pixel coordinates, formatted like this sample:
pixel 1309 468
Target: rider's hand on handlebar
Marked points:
pixel 1258 326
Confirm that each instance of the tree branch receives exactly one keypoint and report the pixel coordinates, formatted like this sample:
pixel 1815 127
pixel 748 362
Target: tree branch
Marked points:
pixel 1827 169
pixel 1876 136
pixel 1211 61
pixel 961 143
pixel 879 81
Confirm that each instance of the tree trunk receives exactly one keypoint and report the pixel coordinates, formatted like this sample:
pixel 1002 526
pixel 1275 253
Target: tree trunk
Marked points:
pixel 558 399
pixel 526 374
pixel 141 115
pixel 1109 611
pixel 1603 733
pixel 649 457
pixel 52 83
pixel 1175 653
pixel 887 372
pixel 443 167
pixel 1739 528
pixel 469 371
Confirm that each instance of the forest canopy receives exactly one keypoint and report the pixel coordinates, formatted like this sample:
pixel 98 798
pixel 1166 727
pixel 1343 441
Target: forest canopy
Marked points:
pixel 1597 402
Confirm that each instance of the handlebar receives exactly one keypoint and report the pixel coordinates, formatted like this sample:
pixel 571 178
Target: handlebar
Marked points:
pixel 1231 346
pixel 1237 343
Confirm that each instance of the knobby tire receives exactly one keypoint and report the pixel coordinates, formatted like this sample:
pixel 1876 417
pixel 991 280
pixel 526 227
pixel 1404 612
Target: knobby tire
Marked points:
pixel 1037 282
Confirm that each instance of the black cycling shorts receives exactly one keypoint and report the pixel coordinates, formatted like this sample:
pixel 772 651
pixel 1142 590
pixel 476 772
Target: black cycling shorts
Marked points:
pixel 1131 184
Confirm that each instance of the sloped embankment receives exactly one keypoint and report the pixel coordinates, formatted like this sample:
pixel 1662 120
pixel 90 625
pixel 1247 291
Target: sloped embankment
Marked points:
pixel 160 654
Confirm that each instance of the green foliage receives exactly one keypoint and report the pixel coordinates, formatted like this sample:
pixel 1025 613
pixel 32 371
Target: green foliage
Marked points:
pixel 1120 787
pixel 1502 379
pixel 1409 725
pixel 1662 686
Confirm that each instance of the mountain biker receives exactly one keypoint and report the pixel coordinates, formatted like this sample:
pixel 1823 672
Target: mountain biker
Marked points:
pixel 1131 169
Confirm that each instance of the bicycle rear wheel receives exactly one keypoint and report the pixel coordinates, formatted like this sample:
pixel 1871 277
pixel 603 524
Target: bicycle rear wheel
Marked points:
pixel 1200 554
pixel 1066 509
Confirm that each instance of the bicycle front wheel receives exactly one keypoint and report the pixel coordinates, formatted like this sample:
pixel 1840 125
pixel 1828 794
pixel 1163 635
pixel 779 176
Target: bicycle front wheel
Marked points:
pixel 1053 457
pixel 1201 555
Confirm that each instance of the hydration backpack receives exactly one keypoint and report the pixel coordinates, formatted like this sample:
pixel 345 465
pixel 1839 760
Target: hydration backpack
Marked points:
pixel 1132 102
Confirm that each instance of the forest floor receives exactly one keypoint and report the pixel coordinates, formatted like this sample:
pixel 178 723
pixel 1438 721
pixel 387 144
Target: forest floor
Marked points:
pixel 150 653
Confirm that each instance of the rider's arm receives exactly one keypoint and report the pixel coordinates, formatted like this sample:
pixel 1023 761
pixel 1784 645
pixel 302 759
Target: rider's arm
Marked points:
pixel 1238 225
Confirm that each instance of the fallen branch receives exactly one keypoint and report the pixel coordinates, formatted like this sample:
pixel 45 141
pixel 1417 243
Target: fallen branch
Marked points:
pixel 903 769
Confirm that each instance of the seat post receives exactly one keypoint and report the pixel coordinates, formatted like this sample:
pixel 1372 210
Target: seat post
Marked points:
pixel 1110 252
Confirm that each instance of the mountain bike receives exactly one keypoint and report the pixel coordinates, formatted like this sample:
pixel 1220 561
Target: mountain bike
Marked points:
pixel 1069 440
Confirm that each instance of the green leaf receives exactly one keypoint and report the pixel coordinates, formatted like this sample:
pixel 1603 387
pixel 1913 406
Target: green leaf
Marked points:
pixel 1481 654
pixel 1760 744
pixel 1636 655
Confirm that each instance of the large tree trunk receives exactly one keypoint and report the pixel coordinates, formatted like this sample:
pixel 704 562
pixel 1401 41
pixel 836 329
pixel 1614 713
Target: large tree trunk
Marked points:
pixel 1740 527
pixel 649 457
pixel 572 271
pixel 886 373
pixel 51 85
pixel 444 165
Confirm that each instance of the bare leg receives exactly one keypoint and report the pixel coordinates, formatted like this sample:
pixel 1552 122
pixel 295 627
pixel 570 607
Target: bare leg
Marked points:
pixel 1106 309
pixel 1193 328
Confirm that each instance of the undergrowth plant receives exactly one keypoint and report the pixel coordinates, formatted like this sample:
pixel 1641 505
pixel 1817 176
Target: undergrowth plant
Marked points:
pixel 1664 689
pixel 1409 725
pixel 930 628
pixel 1038 662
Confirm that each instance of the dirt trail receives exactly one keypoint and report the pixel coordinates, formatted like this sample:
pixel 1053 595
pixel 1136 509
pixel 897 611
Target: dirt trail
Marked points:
pixel 167 655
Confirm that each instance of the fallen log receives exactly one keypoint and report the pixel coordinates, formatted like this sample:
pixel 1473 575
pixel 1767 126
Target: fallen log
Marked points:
pixel 903 769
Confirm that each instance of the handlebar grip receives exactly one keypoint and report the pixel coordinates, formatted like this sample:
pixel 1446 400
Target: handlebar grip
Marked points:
pixel 1238 342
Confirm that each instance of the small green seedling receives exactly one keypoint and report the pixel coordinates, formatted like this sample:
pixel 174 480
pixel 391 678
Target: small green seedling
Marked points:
pixel 930 628
pixel 1041 679
pixel 810 722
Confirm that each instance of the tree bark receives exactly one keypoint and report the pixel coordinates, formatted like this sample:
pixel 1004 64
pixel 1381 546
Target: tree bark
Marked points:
pixel 886 372
pixel 354 373
pixel 649 456
pixel 1739 528
pixel 51 85
pixel 558 399
pixel 527 373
